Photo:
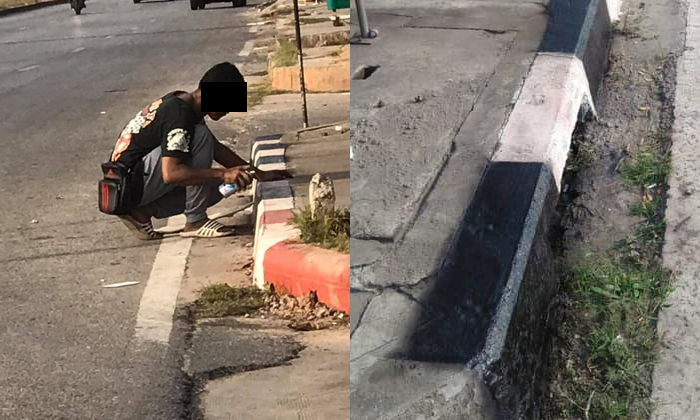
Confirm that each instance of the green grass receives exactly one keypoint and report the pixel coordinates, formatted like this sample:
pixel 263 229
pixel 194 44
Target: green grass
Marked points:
pixel 221 300
pixel 616 305
pixel 607 344
pixel 650 167
pixel 286 54
pixel 258 92
pixel 330 230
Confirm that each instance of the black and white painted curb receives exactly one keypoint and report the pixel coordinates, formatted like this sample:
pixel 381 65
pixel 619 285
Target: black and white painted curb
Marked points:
pixel 559 89
pixel 525 173
pixel 274 202
pixel 486 345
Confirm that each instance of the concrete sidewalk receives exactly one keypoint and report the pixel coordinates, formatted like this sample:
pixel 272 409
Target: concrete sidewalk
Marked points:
pixel 675 381
pixel 451 271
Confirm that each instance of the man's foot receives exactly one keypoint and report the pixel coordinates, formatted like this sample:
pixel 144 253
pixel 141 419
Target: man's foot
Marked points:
pixel 139 222
pixel 206 229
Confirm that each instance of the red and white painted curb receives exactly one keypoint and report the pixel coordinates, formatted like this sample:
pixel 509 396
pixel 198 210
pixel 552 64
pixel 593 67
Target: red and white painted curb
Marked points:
pixel 293 268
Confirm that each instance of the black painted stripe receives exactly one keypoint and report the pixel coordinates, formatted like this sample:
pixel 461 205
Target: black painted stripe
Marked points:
pixel 268 137
pixel 460 307
pixel 270 159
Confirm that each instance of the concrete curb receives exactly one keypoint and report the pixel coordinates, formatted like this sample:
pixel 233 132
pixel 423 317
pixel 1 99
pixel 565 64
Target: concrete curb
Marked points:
pixel 21 9
pixel 297 269
pixel 293 268
pixel 488 309
pixel 525 172
pixel 274 203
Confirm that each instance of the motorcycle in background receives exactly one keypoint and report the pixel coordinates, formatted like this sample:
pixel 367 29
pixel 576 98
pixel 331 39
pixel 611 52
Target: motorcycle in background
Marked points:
pixel 77 6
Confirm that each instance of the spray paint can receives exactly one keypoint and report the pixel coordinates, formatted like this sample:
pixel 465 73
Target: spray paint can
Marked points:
pixel 228 190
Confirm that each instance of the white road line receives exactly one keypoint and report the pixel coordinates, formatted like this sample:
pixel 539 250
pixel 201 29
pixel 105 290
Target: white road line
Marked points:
pixel 29 68
pixel 247 48
pixel 78 49
pixel 155 318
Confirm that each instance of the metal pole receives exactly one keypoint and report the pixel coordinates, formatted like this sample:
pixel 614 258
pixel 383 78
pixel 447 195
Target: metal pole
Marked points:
pixel 362 18
pixel 302 85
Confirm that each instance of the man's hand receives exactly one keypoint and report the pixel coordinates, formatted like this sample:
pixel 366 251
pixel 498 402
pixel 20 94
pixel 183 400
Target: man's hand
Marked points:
pixel 238 176
pixel 272 175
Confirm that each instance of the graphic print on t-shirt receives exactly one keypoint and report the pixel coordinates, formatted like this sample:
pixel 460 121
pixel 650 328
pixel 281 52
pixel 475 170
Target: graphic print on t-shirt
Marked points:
pixel 178 141
pixel 140 121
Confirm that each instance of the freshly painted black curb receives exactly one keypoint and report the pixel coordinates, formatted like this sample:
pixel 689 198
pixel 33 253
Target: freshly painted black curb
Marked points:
pixel 581 28
pixel 489 306
pixel 32 7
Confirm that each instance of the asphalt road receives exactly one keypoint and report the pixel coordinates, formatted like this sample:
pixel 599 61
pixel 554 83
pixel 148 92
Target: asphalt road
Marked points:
pixel 68 84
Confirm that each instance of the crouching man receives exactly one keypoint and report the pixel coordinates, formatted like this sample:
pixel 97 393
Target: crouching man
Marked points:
pixel 168 151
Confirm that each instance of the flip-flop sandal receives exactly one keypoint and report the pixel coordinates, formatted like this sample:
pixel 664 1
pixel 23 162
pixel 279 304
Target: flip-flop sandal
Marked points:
pixel 170 230
pixel 211 229
pixel 143 231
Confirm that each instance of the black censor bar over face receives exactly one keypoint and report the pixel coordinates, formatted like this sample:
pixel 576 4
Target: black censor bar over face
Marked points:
pixel 224 97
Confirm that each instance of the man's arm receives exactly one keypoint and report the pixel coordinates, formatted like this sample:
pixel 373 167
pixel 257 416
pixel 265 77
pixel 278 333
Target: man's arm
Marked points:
pixel 229 159
pixel 176 172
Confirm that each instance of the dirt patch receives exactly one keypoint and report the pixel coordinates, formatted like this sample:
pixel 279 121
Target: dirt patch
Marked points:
pixel 611 227
pixel 221 300
pixel 305 313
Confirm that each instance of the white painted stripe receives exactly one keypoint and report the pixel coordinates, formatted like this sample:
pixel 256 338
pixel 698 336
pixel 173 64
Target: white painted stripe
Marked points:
pixel 614 9
pixel 273 166
pixel 247 48
pixel 278 204
pixel 77 50
pixel 270 152
pixel 155 318
pixel 544 117
pixel 257 144
pixel 265 22
pixel 29 68
pixel 270 236
pixel 286 203
pixel 260 48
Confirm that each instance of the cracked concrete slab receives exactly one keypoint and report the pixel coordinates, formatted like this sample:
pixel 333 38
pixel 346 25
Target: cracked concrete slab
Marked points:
pixel 386 325
pixel 358 303
pixel 415 390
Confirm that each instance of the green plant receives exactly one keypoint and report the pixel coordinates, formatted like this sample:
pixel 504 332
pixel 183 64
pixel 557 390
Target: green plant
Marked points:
pixel 258 92
pixel 650 167
pixel 330 229
pixel 286 54
pixel 615 305
pixel 219 300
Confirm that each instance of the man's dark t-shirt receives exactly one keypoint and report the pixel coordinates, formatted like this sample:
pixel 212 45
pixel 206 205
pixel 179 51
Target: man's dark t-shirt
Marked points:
pixel 168 122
